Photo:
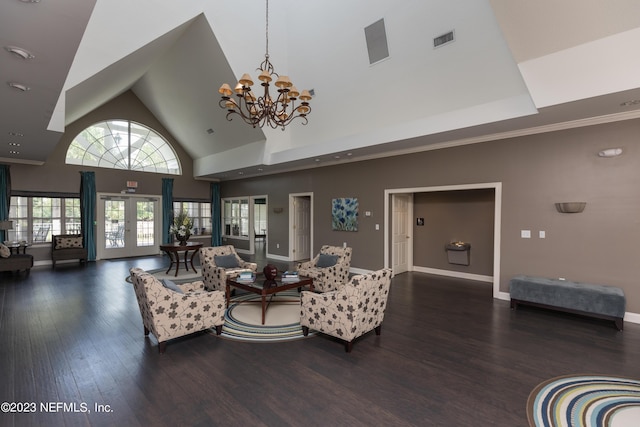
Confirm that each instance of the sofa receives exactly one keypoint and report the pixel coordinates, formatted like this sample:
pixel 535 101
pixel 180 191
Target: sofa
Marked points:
pixel 14 262
pixel 67 246
pixel 171 310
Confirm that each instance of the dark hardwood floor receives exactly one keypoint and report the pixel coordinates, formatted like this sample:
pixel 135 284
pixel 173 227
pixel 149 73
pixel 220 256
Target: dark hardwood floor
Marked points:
pixel 449 355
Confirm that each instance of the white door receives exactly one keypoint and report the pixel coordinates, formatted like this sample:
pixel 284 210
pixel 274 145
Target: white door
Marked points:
pixel 302 228
pixel 401 238
pixel 128 226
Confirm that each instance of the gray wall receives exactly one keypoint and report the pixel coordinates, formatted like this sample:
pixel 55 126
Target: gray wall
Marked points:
pixel 465 215
pixel 597 246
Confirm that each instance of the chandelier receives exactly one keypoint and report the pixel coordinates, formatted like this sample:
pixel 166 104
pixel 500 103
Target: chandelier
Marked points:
pixel 276 111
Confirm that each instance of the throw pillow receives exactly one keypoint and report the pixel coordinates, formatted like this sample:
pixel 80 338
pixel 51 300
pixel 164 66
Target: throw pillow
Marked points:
pixel 226 261
pixel 170 284
pixel 4 251
pixel 68 242
pixel 325 260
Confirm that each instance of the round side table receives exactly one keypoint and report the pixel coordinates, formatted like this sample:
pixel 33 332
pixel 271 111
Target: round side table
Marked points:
pixel 174 249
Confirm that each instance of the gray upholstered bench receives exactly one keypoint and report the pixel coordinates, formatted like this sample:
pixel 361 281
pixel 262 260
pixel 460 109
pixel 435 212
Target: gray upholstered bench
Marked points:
pixel 601 301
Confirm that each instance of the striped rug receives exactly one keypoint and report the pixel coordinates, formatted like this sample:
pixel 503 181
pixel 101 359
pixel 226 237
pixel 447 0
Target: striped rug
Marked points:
pixel 243 319
pixel 585 401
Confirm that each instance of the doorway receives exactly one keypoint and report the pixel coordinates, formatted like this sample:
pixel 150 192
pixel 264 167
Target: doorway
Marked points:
pixel 128 226
pixel 300 224
pixel 389 196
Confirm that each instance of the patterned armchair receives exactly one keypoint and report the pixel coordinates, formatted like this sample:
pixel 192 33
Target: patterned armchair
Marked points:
pixel 332 277
pixel 220 262
pixel 168 313
pixel 351 311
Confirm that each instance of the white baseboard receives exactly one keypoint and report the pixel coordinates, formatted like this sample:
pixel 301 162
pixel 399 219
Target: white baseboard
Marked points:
pixel 456 274
pixel 282 258
pixel 632 317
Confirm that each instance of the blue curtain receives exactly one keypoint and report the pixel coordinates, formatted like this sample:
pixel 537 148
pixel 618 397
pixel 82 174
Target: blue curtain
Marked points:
pixel 88 212
pixel 5 196
pixel 216 215
pixel 167 208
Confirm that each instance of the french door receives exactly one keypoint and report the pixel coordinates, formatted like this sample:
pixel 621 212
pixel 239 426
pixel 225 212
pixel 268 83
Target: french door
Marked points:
pixel 128 226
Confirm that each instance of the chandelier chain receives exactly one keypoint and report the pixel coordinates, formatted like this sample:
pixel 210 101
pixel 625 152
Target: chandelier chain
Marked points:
pixel 266 31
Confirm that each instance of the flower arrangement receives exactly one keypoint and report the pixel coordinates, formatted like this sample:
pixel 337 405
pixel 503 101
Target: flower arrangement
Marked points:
pixel 181 227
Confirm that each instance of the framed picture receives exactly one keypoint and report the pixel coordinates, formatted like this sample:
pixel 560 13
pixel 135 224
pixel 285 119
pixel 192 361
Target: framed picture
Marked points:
pixel 344 214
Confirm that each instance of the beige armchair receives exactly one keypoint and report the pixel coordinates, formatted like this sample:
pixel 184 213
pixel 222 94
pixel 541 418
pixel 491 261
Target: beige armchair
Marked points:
pixel 351 311
pixel 220 262
pixel 169 313
pixel 329 269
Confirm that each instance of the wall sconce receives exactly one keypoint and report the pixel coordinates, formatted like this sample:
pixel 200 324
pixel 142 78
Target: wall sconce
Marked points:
pixel 610 152
pixel 570 207
pixel 277 210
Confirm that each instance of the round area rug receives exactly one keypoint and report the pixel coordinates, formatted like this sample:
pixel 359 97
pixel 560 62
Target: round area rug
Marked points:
pixel 243 319
pixel 183 275
pixel 585 401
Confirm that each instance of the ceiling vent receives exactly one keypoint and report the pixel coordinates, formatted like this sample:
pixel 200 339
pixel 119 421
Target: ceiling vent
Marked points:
pixel 376 37
pixel 443 39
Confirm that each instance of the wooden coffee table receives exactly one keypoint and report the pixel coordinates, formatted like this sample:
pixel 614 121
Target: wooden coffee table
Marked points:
pixel 264 288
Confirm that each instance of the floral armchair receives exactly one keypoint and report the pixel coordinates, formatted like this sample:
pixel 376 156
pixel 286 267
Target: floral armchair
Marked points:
pixel 220 262
pixel 169 313
pixel 351 311
pixel 329 269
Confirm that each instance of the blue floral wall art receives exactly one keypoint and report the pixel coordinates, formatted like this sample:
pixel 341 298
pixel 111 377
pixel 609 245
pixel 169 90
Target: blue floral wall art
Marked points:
pixel 344 214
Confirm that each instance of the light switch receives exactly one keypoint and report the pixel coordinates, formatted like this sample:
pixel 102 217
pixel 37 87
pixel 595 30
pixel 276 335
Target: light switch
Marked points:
pixel 525 234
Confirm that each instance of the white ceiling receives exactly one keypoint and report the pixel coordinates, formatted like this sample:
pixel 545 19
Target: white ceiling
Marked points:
pixel 515 68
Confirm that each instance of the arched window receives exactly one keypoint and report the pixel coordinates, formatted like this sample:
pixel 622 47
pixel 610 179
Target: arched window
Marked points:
pixel 123 144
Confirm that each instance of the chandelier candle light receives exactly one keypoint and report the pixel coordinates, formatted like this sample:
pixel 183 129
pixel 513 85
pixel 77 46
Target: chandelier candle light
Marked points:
pixel 258 111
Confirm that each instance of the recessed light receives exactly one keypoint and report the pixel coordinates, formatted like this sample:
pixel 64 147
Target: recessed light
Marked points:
pixel 19 86
pixel 317 160
pixel 14 152
pixel 14 144
pixel 260 169
pixel 16 134
pixel 20 52
pixel 30 1
pixel 630 103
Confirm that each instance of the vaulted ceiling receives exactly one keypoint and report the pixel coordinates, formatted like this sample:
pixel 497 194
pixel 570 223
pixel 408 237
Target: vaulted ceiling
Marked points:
pixel 514 68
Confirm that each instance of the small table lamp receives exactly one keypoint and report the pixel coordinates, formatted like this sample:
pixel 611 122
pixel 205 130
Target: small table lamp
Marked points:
pixel 4 226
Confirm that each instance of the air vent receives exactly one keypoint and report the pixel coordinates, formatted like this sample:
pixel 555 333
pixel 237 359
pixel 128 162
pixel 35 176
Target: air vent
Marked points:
pixel 443 39
pixel 376 37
